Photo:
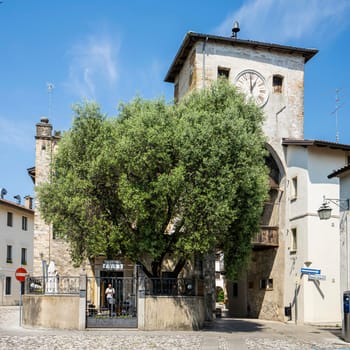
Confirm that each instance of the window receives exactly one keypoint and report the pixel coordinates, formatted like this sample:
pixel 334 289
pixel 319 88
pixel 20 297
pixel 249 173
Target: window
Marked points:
pixel 24 223
pixel 9 254
pixel 8 286
pixel 266 283
pixel 24 256
pixel 293 242
pixel 277 82
pixel 9 219
pixel 294 188
pixel 235 289
pixel 223 72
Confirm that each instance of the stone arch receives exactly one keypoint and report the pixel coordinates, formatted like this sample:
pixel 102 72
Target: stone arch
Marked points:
pixel 270 215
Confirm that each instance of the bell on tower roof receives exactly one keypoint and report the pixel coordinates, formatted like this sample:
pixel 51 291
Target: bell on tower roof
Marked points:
pixel 235 30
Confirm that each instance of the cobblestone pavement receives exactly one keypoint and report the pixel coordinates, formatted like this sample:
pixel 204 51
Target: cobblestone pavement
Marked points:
pixel 224 334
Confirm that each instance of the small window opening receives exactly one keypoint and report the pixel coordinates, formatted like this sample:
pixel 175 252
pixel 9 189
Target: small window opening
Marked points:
pixel 293 243
pixel 266 283
pixel 223 72
pixel 294 188
pixel 277 82
pixel 9 254
pixel 8 285
pixel 24 256
pixel 9 219
pixel 24 223
pixel 235 289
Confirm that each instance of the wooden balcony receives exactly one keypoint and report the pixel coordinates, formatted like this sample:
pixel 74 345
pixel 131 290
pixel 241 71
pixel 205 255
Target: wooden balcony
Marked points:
pixel 266 238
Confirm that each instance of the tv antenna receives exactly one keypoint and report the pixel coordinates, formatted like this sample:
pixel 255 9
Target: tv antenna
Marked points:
pixel 50 88
pixel 335 112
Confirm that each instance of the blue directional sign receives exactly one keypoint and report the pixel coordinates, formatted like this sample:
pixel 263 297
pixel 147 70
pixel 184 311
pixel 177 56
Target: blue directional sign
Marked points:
pixel 308 271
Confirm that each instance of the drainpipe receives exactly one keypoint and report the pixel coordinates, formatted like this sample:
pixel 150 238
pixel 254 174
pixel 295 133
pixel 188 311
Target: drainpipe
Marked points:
pixel 204 53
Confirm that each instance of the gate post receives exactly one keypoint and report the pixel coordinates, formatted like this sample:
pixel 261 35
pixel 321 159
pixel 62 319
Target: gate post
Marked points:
pixel 141 299
pixel 209 282
pixel 82 301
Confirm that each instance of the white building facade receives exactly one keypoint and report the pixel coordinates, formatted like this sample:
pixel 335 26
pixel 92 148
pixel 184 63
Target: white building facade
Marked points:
pixel 313 244
pixel 16 234
pixel 341 203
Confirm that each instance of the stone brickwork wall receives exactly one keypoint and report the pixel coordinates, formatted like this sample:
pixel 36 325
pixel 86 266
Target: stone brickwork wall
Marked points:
pixel 284 118
pixel 284 111
pixel 46 248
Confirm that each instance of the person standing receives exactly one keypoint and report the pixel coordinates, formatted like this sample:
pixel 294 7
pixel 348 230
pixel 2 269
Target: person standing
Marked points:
pixel 109 293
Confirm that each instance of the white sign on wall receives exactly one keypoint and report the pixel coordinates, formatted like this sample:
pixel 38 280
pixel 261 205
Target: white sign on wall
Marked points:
pixel 317 277
pixel 112 265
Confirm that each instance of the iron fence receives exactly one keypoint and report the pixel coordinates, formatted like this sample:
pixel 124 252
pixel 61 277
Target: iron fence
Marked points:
pixel 52 285
pixel 173 287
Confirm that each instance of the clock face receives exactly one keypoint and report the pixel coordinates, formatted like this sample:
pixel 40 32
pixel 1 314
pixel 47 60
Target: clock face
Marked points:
pixel 253 85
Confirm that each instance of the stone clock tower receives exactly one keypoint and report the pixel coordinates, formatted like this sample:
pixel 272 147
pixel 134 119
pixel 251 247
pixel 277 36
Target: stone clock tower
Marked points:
pixel 273 77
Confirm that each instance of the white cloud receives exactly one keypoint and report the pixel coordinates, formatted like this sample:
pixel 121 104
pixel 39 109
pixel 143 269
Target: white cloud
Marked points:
pixel 17 136
pixel 286 22
pixel 93 65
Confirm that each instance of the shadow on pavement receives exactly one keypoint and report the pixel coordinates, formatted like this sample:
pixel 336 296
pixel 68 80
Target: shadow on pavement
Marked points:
pixel 333 330
pixel 230 325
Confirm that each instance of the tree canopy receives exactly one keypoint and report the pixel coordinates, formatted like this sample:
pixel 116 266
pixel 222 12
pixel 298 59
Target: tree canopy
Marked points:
pixel 158 179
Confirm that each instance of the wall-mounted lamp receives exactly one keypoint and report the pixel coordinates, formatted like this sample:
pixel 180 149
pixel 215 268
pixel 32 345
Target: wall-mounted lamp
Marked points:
pixel 325 211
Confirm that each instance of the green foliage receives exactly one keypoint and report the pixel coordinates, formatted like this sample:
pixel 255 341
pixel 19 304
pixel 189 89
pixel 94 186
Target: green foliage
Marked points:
pixel 220 297
pixel 161 179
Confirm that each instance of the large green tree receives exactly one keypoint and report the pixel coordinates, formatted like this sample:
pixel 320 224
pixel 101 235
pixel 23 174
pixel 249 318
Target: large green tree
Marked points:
pixel 161 179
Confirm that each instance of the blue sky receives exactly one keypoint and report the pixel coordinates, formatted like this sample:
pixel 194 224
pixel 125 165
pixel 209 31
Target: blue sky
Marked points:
pixel 112 50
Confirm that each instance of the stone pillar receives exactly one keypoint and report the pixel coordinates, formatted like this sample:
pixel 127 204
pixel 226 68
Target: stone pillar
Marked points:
pixel 141 299
pixel 209 285
pixel 82 302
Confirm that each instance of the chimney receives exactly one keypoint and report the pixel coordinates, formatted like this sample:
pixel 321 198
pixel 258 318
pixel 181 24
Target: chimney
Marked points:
pixel 44 129
pixel 28 202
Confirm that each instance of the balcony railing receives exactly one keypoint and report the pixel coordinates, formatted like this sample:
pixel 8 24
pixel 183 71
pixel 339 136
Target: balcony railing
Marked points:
pixel 266 238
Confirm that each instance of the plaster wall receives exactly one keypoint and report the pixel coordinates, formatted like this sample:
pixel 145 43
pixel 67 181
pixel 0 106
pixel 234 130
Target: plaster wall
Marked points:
pixel 17 238
pixel 187 313
pixel 51 311
pixel 344 236
pixel 318 244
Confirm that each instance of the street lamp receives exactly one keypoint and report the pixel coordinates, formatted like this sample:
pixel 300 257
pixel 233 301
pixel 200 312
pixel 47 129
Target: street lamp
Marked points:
pixel 325 211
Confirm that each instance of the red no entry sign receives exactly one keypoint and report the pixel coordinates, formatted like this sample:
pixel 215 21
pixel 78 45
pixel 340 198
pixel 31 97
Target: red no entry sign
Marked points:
pixel 21 274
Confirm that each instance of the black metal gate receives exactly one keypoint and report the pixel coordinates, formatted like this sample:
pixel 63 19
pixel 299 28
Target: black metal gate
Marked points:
pixel 119 311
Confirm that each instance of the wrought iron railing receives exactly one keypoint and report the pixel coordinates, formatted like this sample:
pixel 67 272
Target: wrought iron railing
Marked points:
pixel 267 236
pixel 52 285
pixel 173 287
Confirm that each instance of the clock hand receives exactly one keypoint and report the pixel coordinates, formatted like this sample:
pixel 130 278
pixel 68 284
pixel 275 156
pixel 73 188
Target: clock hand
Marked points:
pixel 254 84
pixel 250 83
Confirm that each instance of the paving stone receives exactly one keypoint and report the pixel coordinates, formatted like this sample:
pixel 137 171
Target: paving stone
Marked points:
pixel 222 335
